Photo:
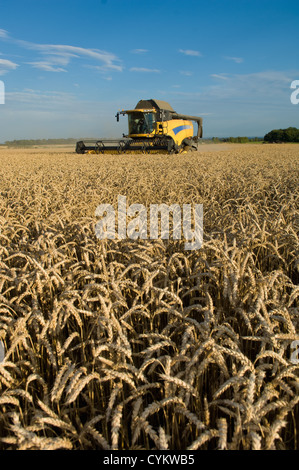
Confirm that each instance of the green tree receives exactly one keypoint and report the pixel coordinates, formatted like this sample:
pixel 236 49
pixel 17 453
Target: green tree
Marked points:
pixel 291 134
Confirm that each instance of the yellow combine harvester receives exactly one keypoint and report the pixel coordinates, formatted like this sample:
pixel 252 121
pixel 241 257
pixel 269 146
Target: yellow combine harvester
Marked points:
pixel 154 127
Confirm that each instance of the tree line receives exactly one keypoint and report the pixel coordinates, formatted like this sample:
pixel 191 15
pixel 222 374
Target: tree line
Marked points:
pixel 237 140
pixel 291 134
pixel 30 142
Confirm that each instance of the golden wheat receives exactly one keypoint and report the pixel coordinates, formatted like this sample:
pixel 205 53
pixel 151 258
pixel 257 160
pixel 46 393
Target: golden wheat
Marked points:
pixel 140 344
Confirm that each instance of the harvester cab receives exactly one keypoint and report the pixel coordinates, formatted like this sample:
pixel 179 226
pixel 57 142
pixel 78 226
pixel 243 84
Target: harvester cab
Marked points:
pixel 153 127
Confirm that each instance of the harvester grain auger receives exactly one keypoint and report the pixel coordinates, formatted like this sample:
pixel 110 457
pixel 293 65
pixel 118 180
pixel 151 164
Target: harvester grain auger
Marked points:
pixel 154 127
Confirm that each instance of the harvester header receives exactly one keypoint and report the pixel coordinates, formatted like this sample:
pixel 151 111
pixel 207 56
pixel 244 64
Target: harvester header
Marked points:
pixel 153 127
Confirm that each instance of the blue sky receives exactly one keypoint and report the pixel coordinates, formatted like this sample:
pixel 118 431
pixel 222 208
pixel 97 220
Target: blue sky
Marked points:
pixel 68 66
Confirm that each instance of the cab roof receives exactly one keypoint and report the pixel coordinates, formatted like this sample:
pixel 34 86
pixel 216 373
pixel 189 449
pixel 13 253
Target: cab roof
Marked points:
pixel 156 104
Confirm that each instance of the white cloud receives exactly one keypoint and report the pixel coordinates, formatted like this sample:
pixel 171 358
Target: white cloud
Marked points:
pixel 238 60
pixel 190 52
pixel 3 33
pixel 193 94
pixel 6 66
pixel 46 67
pixel 143 69
pixel 221 76
pixel 272 76
pixel 33 114
pixel 66 52
pixel 186 73
pixel 139 51
pixel 105 68
pixel 60 58
pixel 37 99
pixel 53 62
pixel 260 87
pixel 61 54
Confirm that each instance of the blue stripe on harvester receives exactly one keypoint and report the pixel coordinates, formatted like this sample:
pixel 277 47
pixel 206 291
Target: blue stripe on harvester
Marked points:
pixel 178 129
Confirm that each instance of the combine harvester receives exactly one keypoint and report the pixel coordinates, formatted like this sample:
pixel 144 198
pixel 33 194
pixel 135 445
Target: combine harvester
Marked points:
pixel 154 127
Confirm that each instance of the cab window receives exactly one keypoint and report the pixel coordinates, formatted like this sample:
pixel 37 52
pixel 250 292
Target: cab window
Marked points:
pixel 141 123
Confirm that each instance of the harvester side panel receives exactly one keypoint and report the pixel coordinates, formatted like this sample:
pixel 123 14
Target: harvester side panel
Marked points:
pixel 179 130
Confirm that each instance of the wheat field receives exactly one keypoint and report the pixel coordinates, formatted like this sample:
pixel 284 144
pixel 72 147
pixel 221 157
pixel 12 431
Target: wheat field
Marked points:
pixel 140 344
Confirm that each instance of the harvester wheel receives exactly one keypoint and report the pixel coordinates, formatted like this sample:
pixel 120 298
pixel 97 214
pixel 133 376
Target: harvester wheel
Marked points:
pixel 80 147
pixel 188 144
pixel 121 147
pixel 99 147
pixel 145 148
